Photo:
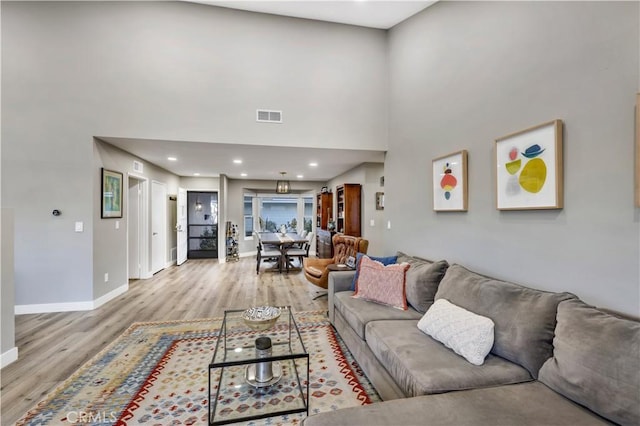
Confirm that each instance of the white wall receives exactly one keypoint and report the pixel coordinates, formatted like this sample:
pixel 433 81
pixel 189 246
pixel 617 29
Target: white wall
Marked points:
pixel 8 350
pixel 158 70
pixel 465 73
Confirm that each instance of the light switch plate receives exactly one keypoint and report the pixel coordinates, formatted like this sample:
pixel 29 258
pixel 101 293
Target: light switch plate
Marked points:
pixel 79 227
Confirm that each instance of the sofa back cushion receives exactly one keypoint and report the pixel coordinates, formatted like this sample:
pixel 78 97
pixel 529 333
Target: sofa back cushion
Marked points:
pixel 524 318
pixel 596 362
pixel 423 278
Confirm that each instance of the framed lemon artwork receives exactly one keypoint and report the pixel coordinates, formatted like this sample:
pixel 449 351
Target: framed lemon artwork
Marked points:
pixel 528 168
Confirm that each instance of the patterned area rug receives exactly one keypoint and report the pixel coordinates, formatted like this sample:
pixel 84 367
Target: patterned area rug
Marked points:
pixel 157 374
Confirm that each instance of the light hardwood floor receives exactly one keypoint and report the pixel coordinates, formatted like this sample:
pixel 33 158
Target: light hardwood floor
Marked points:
pixel 52 346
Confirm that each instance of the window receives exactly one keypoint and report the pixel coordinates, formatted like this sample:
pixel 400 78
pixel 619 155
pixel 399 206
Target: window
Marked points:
pixel 308 214
pixel 248 216
pixel 269 213
pixel 279 212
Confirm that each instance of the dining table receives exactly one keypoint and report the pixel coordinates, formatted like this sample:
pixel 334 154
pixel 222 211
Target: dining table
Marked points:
pixel 284 241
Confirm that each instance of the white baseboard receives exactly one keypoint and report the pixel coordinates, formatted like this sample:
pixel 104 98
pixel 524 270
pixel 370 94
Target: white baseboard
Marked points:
pixel 109 296
pixel 170 264
pixel 70 306
pixel 8 357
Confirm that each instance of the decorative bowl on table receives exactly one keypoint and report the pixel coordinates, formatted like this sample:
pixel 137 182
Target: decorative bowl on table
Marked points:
pixel 261 317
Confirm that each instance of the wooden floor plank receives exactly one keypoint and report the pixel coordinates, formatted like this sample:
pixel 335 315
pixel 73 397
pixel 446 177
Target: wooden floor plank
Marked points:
pixel 52 346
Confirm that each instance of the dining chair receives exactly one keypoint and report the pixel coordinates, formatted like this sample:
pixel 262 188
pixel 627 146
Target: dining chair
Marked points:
pixel 263 253
pixel 302 234
pixel 300 252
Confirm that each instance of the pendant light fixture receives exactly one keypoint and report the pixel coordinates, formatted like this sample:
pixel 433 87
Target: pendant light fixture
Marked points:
pixel 283 186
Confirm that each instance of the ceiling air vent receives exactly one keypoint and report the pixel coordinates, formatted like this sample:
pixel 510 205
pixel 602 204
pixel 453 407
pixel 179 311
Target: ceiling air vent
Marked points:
pixel 137 166
pixel 268 116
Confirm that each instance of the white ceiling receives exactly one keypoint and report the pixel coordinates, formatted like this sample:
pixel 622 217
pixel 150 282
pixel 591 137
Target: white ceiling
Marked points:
pixel 382 14
pixel 266 162
pixel 258 161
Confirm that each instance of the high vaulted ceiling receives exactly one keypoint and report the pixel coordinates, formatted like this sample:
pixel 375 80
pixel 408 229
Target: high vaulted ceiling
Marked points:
pixel 365 13
pixel 266 162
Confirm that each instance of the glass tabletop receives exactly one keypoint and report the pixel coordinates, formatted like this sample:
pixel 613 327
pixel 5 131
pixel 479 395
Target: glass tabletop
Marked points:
pixel 237 339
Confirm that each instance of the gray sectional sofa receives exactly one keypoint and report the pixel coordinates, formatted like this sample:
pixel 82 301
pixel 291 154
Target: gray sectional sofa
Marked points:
pixel 554 361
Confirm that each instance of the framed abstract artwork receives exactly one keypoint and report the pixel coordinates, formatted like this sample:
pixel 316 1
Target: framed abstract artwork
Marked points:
pixel 111 194
pixel 450 182
pixel 528 168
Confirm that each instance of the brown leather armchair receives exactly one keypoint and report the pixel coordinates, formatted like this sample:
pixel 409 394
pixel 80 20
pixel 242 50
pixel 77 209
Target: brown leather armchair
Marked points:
pixel 315 270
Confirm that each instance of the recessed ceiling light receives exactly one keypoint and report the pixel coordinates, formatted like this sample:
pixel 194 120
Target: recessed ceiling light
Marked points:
pixel 237 161
pixel 196 174
pixel 300 176
pixel 314 164
pixel 243 174
pixel 172 159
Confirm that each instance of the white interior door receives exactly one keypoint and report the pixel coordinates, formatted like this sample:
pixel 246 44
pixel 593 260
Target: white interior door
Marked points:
pixel 181 226
pixel 158 226
pixel 133 235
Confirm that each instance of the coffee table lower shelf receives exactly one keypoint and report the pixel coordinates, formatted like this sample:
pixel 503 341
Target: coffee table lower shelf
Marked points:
pixel 232 398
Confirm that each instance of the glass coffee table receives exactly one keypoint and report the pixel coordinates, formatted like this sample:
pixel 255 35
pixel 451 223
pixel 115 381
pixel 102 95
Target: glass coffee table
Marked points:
pixel 239 388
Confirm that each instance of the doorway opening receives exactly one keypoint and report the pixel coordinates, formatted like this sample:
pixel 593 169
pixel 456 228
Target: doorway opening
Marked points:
pixel 137 231
pixel 202 224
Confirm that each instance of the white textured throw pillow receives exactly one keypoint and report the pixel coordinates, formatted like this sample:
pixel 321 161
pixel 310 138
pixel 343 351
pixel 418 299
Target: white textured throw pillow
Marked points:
pixel 468 334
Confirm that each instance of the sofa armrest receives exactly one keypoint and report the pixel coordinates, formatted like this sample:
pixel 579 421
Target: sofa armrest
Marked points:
pixel 338 281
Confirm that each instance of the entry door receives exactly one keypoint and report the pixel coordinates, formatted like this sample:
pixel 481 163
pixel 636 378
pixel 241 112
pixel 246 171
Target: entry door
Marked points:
pixel 181 226
pixel 158 226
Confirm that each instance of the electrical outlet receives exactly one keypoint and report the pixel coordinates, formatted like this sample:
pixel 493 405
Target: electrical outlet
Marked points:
pixel 388 224
pixel 106 277
pixel 372 222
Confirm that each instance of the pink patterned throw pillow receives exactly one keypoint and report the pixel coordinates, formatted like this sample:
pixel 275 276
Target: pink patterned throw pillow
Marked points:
pixel 382 284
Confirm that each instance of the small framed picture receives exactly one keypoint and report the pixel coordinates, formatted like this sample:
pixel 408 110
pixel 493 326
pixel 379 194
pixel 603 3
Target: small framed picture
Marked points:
pixel 351 262
pixel 450 182
pixel 111 194
pixel 379 200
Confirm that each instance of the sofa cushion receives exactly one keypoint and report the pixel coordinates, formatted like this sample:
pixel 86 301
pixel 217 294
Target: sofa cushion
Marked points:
pixel 596 361
pixel 526 404
pixel 358 312
pixel 423 278
pixel 421 365
pixel 524 318
pixel 388 260
pixel 382 284
pixel 467 334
